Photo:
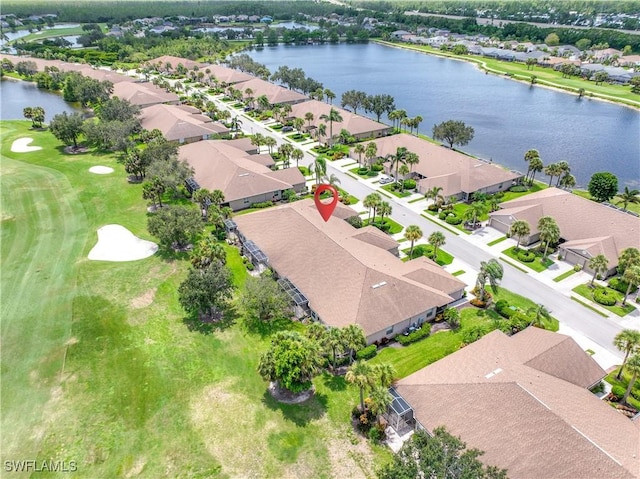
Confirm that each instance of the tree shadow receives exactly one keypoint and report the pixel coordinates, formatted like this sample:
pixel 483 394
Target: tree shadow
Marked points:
pixel 333 382
pixel 299 414
pixel 267 328
pixel 207 325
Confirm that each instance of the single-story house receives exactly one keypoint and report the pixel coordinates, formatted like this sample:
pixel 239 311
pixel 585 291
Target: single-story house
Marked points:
pixel 348 275
pixel 524 401
pixel 274 93
pixel 242 179
pixel 358 126
pixel 144 94
pixel 457 174
pixel 228 76
pixel 168 63
pixel 587 228
pixel 181 123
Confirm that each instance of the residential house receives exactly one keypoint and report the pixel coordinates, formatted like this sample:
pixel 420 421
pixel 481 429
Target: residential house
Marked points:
pixel 606 54
pixel 274 93
pixel 228 76
pixel 587 228
pixel 181 123
pixel 358 126
pixel 144 94
pixel 169 63
pixel 457 174
pixel 348 275
pixel 243 178
pixel 524 401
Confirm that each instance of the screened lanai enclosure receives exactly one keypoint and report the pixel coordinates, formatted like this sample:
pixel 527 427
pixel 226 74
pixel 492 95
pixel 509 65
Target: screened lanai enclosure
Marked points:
pixel 299 301
pixel 399 415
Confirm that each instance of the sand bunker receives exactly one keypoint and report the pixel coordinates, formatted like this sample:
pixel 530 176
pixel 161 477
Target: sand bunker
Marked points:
pixel 20 146
pixel 117 243
pixel 101 170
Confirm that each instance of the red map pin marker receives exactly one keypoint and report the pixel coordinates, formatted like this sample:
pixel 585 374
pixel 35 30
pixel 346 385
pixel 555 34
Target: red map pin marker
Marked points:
pixel 326 209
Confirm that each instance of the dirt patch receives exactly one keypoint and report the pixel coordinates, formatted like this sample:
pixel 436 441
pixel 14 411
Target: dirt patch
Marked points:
pixel 74 150
pixel 144 300
pixel 350 458
pixel 287 397
pixel 137 467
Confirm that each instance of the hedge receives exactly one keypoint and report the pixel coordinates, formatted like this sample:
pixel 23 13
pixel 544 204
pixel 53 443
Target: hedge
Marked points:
pixel 618 391
pixel 363 171
pixel 526 256
pixel 442 215
pixel 503 309
pixel 603 296
pixel 620 285
pixel 368 352
pixel 417 335
pixel 372 173
pixel 263 204
pixel 453 220
pixel 518 189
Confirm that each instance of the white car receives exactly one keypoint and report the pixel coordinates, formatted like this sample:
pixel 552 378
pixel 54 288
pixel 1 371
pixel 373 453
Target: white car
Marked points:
pixel 386 179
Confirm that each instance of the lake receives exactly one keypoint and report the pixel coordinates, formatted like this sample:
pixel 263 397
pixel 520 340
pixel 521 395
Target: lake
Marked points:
pixel 16 95
pixel 509 117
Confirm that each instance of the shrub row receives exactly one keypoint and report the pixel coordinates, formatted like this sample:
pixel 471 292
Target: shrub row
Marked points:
pixel 518 189
pixel 421 333
pixel 368 352
pixel 263 204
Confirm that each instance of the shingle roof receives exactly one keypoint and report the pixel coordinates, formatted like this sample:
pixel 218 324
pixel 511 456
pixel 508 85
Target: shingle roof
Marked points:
pixel 439 161
pixel 584 224
pixel 219 166
pixel 143 94
pixel 229 75
pixel 178 122
pixel 175 61
pixel 276 94
pixel 337 271
pixel 520 400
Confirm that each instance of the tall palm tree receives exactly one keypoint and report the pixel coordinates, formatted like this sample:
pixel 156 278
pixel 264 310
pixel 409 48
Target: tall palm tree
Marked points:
pixel 528 156
pixel 475 210
pixel 413 233
pixel 334 341
pixel 332 179
pixel 628 257
pixel 490 271
pixel 520 229
pixel 628 341
pixel 359 149
pixel 257 140
pixel 363 375
pixel 297 154
pixel 633 366
pixel 309 117
pixel 563 169
pixel 628 196
pixel 436 239
pixel 540 314
pixel 370 151
pixel 319 168
pixel 416 122
pixel 285 151
pixel 400 158
pixel 385 374
pixel 536 166
pixel 412 159
pixel 334 115
pixel 549 232
pixel 330 96
pixel 385 210
pixel 435 194
pixel 322 130
pixel 372 201
pixel 403 171
pixel 380 400
pixel 354 339
pixel 599 265
pixel 631 276
pixel 270 142
pixel 552 170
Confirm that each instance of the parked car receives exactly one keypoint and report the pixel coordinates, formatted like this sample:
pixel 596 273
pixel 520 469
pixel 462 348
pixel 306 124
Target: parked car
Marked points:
pixel 385 180
pixel 286 129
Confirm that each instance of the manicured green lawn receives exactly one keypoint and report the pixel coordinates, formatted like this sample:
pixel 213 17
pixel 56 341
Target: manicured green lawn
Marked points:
pixel 496 241
pixel 624 383
pixel 511 195
pixel 587 292
pixel 355 172
pixel 564 275
pixel 460 208
pixel 635 207
pixel 459 272
pixel 443 258
pixel 537 264
pixel 393 226
pixel 139 394
pixel 400 194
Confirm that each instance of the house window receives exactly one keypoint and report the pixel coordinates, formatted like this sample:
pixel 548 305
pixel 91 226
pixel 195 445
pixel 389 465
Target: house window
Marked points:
pixel 246 201
pixel 429 314
pixel 389 331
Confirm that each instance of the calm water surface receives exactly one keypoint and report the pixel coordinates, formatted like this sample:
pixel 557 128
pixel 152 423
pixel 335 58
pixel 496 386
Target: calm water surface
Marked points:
pixel 16 95
pixel 509 117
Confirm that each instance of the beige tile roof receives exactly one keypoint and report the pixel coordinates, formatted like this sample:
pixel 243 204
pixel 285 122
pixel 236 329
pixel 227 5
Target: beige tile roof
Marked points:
pixel 143 94
pixel 336 270
pixel 440 161
pixel 584 224
pixel 354 124
pixel 178 122
pixel 288 175
pixel 517 399
pixel 219 166
pixel 175 61
pixel 229 75
pixel 243 144
pixel 275 93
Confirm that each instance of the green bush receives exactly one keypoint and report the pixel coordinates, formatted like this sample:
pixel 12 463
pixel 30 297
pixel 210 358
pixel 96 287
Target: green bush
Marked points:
pixel 518 189
pixel 263 204
pixel 421 333
pixel 368 352
pixel 363 171
pixel 382 226
pixel 355 221
pixel 598 388
pixel 377 167
pixel 473 334
pixel 620 285
pixel 526 256
pixel 372 173
pixel 604 297
pixel 432 207
pixel 503 309
pixel 618 391
pixel 453 220
pixel 442 215
pixel 409 184
pixel 376 434
pixel 519 321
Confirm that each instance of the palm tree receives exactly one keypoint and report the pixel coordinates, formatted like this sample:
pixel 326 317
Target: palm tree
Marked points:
pixel 334 115
pixel 568 181
pixel 628 257
pixel 359 149
pixel 549 232
pixel 285 151
pixel 416 122
pixel 322 130
pixel 631 276
pixel 536 166
pixel 258 140
pixel 540 315
pixel 270 142
pixel 330 96
pixel 413 233
pixel 334 341
pixel 634 367
pixel 297 154
pixel 552 170
pixel 436 239
pixel 628 196
pixel 528 156
pixel 489 271
pixel 385 210
pixel 385 374
pixel 363 375
pixel 319 168
pixel 435 195
pixel 298 123
pixel 412 159
pixel 475 210
pixel 599 265
pixel 563 169
pixel 404 171
pixel 520 229
pixel 380 400
pixel 354 339
pixel 396 160
pixel 332 179
pixel 372 201
pixel 309 117
pixel 370 151
pixel 628 341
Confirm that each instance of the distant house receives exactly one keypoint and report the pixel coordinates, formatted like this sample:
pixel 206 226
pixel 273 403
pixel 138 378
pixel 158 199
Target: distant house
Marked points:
pixel 144 94
pixel 524 401
pixel 607 231
pixel 346 275
pixel 358 126
pixel 181 123
pixel 243 178
pixel 169 63
pixel 274 93
pixel 228 76
pixel 399 34
pixel 458 175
